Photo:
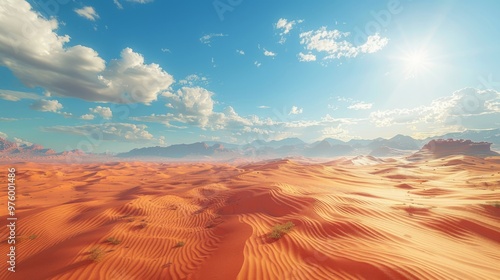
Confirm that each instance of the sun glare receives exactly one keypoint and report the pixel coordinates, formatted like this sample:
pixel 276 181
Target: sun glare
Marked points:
pixel 416 63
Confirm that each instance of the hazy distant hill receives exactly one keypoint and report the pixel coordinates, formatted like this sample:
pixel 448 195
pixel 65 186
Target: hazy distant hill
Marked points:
pixel 325 149
pixel 400 142
pixel 177 151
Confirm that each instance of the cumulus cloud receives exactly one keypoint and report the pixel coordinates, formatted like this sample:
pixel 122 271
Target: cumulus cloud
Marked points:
pixel 269 53
pixel 87 117
pixel 104 112
pixel 207 39
pixel 285 26
pixel 44 105
pixel 11 95
pixel 195 106
pixel 192 105
pixel 295 110
pixel 257 64
pixel 360 106
pixel 3 135
pixel 306 57
pixel 334 43
pixel 20 141
pixel 465 107
pixel 87 12
pixel 240 52
pixel 263 107
pixel 107 131
pixel 39 57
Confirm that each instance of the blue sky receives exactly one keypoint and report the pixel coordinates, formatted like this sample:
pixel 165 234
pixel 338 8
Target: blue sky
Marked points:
pixel 114 75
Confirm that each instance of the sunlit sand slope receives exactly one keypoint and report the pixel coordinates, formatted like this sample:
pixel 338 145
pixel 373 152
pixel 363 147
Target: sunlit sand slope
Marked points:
pixel 354 219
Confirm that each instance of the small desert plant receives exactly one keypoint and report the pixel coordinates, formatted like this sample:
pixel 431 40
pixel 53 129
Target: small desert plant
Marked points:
pixel 96 254
pixel 143 224
pixel 180 244
pixel 33 236
pixel 280 230
pixel 114 240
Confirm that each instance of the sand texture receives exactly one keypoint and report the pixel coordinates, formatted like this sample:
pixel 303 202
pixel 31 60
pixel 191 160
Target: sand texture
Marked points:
pixel 354 219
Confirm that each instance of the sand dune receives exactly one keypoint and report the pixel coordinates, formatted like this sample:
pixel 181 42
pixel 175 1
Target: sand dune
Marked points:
pixel 360 218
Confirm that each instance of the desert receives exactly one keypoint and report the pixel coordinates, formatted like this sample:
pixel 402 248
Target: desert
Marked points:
pixel 353 218
pixel 249 140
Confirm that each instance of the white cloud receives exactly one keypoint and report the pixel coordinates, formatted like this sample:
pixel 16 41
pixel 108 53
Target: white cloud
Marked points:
pixel 47 106
pixel 107 131
pixel 195 106
pixel 160 118
pixel 258 64
pixel 263 107
pixel 165 50
pixel 66 114
pixel 87 12
pixel 360 106
pixel 104 112
pixel 2 119
pixel 269 53
pixel 118 4
pixel 285 26
pixel 20 141
pixel 11 95
pixel 87 117
pixel 39 58
pixel 140 1
pixel 373 44
pixel 336 132
pixel 192 105
pixel 306 57
pixel 207 39
pixel 334 44
pixel 3 135
pixel 465 108
pixel 193 79
pixel 240 52
pixel 295 110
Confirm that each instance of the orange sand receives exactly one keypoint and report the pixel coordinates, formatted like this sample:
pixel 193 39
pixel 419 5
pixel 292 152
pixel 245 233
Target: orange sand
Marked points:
pixel 354 220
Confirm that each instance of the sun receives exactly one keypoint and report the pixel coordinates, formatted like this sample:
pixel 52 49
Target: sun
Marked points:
pixel 416 63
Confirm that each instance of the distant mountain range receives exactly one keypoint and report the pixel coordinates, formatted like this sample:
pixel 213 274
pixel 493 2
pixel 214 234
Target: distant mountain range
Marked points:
pixel 13 151
pixel 398 145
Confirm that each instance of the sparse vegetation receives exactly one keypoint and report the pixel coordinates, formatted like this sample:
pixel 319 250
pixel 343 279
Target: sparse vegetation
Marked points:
pixel 180 244
pixel 96 254
pixel 32 237
pixel 143 224
pixel 114 240
pixel 280 230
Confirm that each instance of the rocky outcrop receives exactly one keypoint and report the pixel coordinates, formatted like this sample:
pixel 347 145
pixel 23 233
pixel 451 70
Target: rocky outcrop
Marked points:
pixel 442 148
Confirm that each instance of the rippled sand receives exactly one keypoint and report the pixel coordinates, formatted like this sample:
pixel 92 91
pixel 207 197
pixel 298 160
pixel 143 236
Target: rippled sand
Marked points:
pixel 354 219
